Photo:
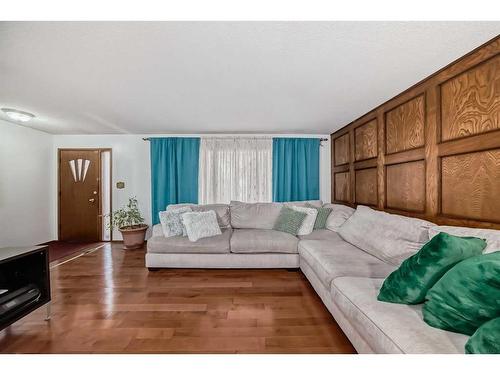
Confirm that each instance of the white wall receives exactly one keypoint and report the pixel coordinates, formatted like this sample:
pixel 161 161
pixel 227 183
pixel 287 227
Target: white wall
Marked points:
pixel 27 189
pixel 131 165
pixel 28 178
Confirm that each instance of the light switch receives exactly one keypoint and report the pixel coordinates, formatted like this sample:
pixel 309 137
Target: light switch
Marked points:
pixel 120 185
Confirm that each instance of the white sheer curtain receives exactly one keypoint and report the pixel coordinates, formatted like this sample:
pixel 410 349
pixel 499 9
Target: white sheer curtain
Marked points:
pixel 235 169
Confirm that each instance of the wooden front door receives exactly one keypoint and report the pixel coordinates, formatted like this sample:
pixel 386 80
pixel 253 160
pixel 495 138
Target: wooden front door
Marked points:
pixel 79 195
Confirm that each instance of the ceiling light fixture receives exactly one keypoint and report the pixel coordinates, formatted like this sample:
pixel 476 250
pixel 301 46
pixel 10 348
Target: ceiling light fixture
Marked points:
pixel 16 115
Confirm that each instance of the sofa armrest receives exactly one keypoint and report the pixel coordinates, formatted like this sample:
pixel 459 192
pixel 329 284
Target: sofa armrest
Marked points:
pixel 157 231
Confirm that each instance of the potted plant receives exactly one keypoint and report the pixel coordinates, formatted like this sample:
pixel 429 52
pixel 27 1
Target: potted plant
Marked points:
pixel 131 225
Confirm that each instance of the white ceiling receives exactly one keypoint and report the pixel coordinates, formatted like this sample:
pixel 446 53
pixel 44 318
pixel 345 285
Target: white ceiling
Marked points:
pixel 209 77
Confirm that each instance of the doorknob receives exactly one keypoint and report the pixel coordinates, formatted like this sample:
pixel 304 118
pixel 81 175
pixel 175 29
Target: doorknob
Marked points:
pixel 91 200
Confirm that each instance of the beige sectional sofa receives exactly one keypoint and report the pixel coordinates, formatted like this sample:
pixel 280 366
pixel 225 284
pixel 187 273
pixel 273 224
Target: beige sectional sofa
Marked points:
pixel 346 277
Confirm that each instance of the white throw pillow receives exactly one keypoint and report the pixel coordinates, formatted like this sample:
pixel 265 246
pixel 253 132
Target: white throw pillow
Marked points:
pixel 308 223
pixel 339 215
pixel 171 223
pixel 491 236
pixel 391 238
pixel 200 225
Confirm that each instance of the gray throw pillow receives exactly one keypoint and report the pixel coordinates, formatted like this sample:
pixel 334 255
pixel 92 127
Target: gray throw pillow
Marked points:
pixel 323 213
pixel 201 225
pixel 171 222
pixel 289 220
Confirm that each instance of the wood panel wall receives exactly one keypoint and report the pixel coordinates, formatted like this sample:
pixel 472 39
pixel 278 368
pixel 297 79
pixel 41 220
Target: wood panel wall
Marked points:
pixel 431 152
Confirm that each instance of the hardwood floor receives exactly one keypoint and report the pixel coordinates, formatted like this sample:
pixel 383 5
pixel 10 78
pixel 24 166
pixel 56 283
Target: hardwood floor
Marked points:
pixel 108 302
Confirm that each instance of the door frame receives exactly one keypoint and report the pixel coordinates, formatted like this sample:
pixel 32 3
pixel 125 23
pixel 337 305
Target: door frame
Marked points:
pixel 99 216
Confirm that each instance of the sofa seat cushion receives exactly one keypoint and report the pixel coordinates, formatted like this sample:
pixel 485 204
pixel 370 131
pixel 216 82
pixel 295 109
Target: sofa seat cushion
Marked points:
pixel 320 234
pixel 336 257
pixel 262 241
pixel 179 244
pixel 389 327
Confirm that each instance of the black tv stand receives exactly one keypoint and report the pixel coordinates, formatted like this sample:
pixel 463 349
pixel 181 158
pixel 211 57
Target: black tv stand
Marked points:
pixel 24 282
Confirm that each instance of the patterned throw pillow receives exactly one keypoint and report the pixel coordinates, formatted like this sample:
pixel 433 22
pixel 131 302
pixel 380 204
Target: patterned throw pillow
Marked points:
pixel 171 223
pixel 308 223
pixel 200 225
pixel 322 217
pixel 289 220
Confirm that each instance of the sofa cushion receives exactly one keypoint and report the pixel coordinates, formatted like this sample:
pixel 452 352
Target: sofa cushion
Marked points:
pixel 320 234
pixel 262 241
pixel 338 216
pixel 308 223
pixel 321 217
pixel 254 215
pixel 486 340
pixel 222 211
pixel 261 215
pixel 388 327
pixel 289 220
pixel 491 236
pixel 314 203
pixel 200 225
pixel 179 244
pixel 412 280
pixel 336 258
pixel 392 238
pixel 466 296
pixel 171 222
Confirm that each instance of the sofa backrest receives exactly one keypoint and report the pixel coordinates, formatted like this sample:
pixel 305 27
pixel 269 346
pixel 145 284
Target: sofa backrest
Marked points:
pixel 260 215
pixel 340 213
pixel 315 203
pixel 254 215
pixel 391 238
pixel 491 236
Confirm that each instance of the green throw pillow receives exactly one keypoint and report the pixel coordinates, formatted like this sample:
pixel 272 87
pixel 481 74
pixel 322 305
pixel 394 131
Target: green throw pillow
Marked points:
pixel 486 340
pixel 412 280
pixel 467 296
pixel 323 213
pixel 289 220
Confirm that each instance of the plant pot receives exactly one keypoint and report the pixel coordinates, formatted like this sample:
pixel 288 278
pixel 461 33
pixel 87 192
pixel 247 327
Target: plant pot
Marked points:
pixel 133 236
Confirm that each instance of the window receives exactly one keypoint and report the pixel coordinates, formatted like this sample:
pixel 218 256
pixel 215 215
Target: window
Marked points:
pixel 235 169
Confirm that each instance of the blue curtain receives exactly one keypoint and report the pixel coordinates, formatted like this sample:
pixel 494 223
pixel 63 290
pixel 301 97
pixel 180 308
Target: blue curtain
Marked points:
pixel 174 172
pixel 295 169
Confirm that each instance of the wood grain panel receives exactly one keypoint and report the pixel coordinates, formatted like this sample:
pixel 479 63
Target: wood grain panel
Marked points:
pixel 432 172
pixel 342 187
pixel 341 147
pixel 405 126
pixel 471 185
pixel 474 143
pixel 452 113
pixel 405 186
pixel 365 141
pixel 366 186
pixel 470 102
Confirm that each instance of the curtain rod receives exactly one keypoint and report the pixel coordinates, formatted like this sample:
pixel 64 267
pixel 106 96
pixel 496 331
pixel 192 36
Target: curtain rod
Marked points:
pixel 321 139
